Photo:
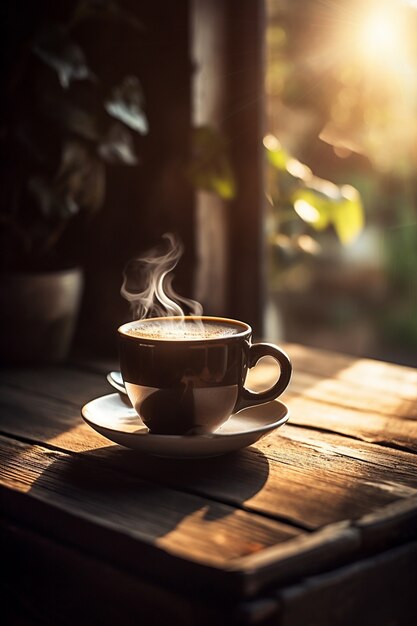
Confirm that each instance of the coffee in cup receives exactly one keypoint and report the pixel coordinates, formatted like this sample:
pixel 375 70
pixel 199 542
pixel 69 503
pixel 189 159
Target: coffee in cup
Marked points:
pixel 185 375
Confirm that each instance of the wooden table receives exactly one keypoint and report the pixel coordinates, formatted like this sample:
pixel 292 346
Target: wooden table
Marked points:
pixel 315 524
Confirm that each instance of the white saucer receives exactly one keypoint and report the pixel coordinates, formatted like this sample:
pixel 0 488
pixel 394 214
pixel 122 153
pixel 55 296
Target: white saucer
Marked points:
pixel 110 416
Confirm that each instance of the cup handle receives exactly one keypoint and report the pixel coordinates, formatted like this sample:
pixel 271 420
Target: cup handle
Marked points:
pixel 249 398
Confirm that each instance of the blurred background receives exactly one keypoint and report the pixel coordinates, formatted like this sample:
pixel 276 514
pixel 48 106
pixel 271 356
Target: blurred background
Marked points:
pixel 341 144
pixel 277 139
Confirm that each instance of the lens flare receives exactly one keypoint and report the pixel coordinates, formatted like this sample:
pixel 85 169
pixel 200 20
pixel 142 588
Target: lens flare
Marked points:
pixel 382 36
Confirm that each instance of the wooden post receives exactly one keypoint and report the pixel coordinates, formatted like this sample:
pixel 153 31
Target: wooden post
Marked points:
pixel 245 124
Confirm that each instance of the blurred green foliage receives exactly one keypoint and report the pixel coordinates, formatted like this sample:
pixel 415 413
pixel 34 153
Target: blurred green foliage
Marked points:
pixel 61 128
pixel 319 203
pixel 341 90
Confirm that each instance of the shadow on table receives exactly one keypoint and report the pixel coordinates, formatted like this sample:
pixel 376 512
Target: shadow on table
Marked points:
pixel 149 495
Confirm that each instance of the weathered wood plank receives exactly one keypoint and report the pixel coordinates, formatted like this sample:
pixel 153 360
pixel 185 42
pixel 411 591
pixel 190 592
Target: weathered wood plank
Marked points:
pixel 379 397
pixel 398 465
pixel 298 481
pixel 304 555
pixel 364 399
pixel 143 528
pixel 78 387
pixel 38 417
pixel 324 460
pixel 363 384
pixel 373 427
pixel 376 376
pixel 62 383
pixel 388 378
pixel 86 590
pixel 394 524
pixel 302 474
pixel 279 478
pixel 379 590
pixel 181 524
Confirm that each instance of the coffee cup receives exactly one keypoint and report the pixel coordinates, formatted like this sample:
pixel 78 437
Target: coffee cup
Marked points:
pixel 186 375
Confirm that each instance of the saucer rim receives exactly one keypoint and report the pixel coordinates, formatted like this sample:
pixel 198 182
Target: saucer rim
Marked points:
pixel 215 435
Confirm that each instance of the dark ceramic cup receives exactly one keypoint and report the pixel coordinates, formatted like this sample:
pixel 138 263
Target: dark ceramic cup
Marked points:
pixel 192 382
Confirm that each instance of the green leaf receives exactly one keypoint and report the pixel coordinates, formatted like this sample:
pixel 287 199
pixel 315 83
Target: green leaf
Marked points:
pixel 55 48
pixel 126 104
pixel 313 207
pixel 329 204
pixel 117 146
pixel 278 158
pixel 348 219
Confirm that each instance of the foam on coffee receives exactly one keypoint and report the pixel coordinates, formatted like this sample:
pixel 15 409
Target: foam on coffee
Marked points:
pixel 181 330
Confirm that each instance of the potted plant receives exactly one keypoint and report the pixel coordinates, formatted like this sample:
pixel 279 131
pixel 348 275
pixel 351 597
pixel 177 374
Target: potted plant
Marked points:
pixel 61 127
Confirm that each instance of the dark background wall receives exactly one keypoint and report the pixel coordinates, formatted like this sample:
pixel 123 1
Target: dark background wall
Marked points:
pixel 144 201
pixel 199 61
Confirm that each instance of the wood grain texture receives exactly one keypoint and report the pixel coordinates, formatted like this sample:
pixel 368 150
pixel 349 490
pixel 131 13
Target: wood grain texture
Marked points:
pixel 182 524
pixel 73 385
pixel 378 377
pixel 86 590
pixel 394 524
pixel 354 396
pixel 368 386
pixel 387 378
pixel 301 482
pixel 368 426
pixel 141 526
pixel 339 480
pixel 379 590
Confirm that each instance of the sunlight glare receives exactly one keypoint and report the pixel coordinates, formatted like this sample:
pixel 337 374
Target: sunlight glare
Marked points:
pixel 306 211
pixel 382 36
pixel 298 169
pixel 271 142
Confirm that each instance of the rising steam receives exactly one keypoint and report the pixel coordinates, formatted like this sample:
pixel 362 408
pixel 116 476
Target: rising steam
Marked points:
pixel 147 284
